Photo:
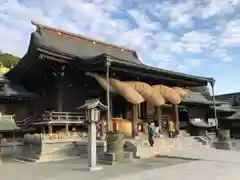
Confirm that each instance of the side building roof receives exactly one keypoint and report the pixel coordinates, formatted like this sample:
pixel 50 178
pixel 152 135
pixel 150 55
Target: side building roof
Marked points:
pixel 7 123
pixel 76 45
pixel 8 90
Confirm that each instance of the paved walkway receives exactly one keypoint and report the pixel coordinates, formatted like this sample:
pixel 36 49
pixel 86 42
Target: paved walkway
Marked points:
pixel 195 170
pixel 76 168
pixel 207 154
pixel 214 165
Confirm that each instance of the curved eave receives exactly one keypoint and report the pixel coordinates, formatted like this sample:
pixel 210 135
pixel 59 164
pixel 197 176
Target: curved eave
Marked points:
pixel 40 46
pixel 235 116
pixel 28 58
pixel 161 72
pixel 204 125
pixel 7 123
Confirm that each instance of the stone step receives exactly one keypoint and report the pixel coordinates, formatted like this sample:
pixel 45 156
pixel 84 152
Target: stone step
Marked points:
pixel 163 145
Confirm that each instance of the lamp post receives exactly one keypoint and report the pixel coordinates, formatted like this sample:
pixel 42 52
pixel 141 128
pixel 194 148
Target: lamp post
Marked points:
pixel 92 114
pixel 108 64
pixel 214 105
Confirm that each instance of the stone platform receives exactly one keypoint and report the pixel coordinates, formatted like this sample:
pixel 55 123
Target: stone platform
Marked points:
pixel 141 149
pixel 38 149
pixel 141 169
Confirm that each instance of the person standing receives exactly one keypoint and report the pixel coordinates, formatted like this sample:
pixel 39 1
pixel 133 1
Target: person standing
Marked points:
pixel 171 129
pixel 151 133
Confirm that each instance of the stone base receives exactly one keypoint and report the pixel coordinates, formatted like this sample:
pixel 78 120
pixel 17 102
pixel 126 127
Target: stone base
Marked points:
pixel 224 145
pixel 96 168
pixel 137 137
pixel 55 150
pixel 50 151
pixel 112 158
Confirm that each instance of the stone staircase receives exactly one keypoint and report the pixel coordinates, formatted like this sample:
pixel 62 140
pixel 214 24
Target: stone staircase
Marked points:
pixel 163 145
pixel 24 124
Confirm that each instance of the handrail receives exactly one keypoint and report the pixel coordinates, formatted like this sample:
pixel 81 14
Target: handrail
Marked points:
pixel 164 126
pixel 63 113
pixel 28 120
pixel 8 117
pixel 23 122
pixel 201 123
pixel 62 116
pixel 207 136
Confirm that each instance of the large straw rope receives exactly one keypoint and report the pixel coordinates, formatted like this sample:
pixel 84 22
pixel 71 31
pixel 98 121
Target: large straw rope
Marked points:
pixel 169 94
pixel 127 91
pixel 147 92
pixel 182 92
pixel 102 81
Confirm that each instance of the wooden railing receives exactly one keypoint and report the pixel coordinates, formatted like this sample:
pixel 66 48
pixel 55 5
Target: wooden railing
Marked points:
pixel 7 116
pixel 63 117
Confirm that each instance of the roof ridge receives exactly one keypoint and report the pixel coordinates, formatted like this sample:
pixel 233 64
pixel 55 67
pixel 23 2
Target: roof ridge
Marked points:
pixel 120 48
pixel 228 94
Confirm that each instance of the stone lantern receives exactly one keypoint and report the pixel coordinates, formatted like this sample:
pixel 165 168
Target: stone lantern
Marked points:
pixel 92 114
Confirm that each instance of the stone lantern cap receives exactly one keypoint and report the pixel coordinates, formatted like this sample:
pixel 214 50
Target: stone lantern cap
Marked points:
pixel 93 103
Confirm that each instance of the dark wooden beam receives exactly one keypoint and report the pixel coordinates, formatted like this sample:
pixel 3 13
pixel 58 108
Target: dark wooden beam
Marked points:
pixel 134 120
pixel 159 117
pixel 157 77
pixel 176 117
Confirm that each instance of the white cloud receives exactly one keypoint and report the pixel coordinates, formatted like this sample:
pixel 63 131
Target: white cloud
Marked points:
pixel 231 34
pixel 222 55
pixel 164 30
pixel 143 21
pixel 197 37
pixel 193 41
pixel 218 7
pixel 194 62
pixel 180 14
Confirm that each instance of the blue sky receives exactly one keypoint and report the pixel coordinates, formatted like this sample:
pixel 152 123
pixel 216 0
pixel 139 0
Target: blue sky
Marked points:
pixel 195 37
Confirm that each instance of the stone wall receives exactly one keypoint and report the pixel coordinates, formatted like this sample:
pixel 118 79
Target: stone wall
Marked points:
pixel 82 147
pixel 11 148
pixel 36 148
pixel 224 145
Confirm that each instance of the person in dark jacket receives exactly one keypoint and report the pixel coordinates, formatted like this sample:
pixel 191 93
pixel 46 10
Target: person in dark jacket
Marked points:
pixel 151 133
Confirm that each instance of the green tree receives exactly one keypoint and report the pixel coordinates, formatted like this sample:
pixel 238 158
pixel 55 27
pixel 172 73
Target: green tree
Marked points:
pixel 8 60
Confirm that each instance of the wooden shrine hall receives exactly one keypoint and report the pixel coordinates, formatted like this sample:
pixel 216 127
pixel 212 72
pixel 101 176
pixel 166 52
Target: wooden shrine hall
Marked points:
pixel 65 69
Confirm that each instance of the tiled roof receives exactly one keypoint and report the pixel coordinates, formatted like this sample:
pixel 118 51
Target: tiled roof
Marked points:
pixel 80 46
pixel 87 48
pixel 7 123
pixel 225 107
pixel 3 79
pixel 15 91
pixel 64 46
pixel 201 123
pixel 196 97
pixel 235 116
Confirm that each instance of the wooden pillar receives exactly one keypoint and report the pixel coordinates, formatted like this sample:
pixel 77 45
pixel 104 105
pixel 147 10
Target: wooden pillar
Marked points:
pixel 214 105
pixel 159 117
pixel 134 121
pixel 176 117
pixel 59 98
pixel 109 120
pixel 43 129
pixel 111 106
pixel 102 128
pixel 67 127
pixel 49 128
pixel 146 115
